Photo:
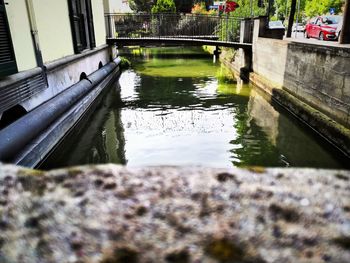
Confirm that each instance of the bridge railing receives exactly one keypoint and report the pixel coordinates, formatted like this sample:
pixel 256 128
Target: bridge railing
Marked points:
pixel 191 26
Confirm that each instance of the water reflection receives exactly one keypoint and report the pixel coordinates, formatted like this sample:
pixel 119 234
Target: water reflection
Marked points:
pixel 176 107
pixel 99 137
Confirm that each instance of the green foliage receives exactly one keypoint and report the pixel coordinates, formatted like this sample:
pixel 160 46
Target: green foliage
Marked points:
pixel 281 8
pixel 233 26
pixel 225 76
pixel 141 5
pixel 124 63
pixel 244 9
pixel 164 6
pixel 183 6
pixel 321 7
pixel 308 8
pixel 199 8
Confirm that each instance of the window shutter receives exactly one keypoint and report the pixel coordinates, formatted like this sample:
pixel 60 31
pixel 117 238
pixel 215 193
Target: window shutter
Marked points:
pixel 7 56
pixel 77 25
pixel 90 21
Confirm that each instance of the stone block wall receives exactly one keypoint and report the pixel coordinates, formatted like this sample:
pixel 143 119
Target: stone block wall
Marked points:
pixel 319 75
pixel 269 59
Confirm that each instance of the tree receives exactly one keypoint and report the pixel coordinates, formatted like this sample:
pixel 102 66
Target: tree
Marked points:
pixel 282 9
pixel 141 5
pixel 247 10
pixel 199 8
pixel 183 6
pixel 321 7
pixel 164 6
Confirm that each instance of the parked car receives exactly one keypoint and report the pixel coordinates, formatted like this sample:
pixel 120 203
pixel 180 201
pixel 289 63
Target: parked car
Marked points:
pixel 322 27
pixel 339 28
pixel 299 28
pixel 276 25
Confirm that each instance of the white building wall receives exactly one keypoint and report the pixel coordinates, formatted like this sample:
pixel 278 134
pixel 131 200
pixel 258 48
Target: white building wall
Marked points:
pixel 119 6
pixel 20 32
pixel 99 22
pixel 55 36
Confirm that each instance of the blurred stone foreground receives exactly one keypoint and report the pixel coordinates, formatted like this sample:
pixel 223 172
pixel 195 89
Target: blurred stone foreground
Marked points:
pixel 111 213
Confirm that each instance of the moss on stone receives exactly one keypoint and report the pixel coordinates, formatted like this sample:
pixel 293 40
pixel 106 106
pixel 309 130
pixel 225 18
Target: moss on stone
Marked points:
pixel 224 250
pixel 257 169
pixel 30 172
pixel 122 254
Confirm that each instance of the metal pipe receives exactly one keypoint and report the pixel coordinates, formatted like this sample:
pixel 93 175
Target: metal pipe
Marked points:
pixel 16 136
pixel 34 33
pixel 345 31
pixel 268 10
pixel 291 18
pixel 251 8
pixel 297 21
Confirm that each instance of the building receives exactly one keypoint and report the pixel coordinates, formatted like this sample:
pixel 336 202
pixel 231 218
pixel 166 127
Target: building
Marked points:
pixel 118 6
pixel 48 47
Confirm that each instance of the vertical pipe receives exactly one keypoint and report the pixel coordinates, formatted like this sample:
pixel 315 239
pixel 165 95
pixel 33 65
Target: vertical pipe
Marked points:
pixel 297 21
pixel 251 8
pixel 291 18
pixel 226 38
pixel 109 30
pixel 35 39
pixel 345 31
pixel 159 25
pixel 34 33
pixel 268 10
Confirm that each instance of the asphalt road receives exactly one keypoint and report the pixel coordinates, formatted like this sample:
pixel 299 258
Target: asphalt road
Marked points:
pixel 299 37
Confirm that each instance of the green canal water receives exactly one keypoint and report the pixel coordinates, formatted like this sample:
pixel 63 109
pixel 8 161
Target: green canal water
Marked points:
pixel 176 107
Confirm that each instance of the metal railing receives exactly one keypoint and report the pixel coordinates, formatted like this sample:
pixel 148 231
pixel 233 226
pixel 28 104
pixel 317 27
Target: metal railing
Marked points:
pixel 191 26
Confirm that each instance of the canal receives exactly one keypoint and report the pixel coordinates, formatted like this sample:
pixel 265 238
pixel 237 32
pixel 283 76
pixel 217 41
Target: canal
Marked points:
pixel 176 107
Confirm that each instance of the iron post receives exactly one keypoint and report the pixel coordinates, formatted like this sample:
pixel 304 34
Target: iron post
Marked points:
pixel 345 31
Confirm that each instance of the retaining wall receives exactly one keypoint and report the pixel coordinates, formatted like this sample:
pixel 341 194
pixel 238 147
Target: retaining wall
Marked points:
pixel 318 75
pixel 312 80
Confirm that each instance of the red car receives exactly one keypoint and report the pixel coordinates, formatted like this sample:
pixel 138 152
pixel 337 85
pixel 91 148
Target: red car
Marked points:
pixel 322 27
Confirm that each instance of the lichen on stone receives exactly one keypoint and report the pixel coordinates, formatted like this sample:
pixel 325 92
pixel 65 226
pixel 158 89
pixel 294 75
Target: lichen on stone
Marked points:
pixel 114 214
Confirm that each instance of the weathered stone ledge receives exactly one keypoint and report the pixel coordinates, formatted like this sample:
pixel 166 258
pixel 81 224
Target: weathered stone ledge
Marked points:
pixel 110 213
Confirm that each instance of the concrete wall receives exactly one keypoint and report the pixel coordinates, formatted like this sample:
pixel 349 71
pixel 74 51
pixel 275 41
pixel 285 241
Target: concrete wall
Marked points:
pixel 311 80
pixel 269 59
pixel 20 33
pixel 318 75
pixel 61 77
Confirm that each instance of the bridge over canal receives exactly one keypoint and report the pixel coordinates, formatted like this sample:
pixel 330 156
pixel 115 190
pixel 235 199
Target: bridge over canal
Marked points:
pixel 175 29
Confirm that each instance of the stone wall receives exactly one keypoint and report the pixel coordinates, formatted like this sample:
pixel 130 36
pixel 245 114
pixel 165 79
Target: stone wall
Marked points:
pixel 317 74
pixel 311 80
pixel 117 214
pixel 320 75
pixel 269 59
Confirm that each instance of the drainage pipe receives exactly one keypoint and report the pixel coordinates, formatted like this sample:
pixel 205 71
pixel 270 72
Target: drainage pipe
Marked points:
pixel 17 135
pixel 35 39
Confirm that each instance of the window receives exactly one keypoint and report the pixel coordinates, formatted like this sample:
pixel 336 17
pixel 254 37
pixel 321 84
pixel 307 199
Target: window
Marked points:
pixel 7 56
pixel 82 24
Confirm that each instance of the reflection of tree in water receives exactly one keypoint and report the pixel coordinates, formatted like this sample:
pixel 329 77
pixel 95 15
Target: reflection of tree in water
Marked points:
pixel 98 138
pixel 270 138
pixel 168 93
pixel 255 146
